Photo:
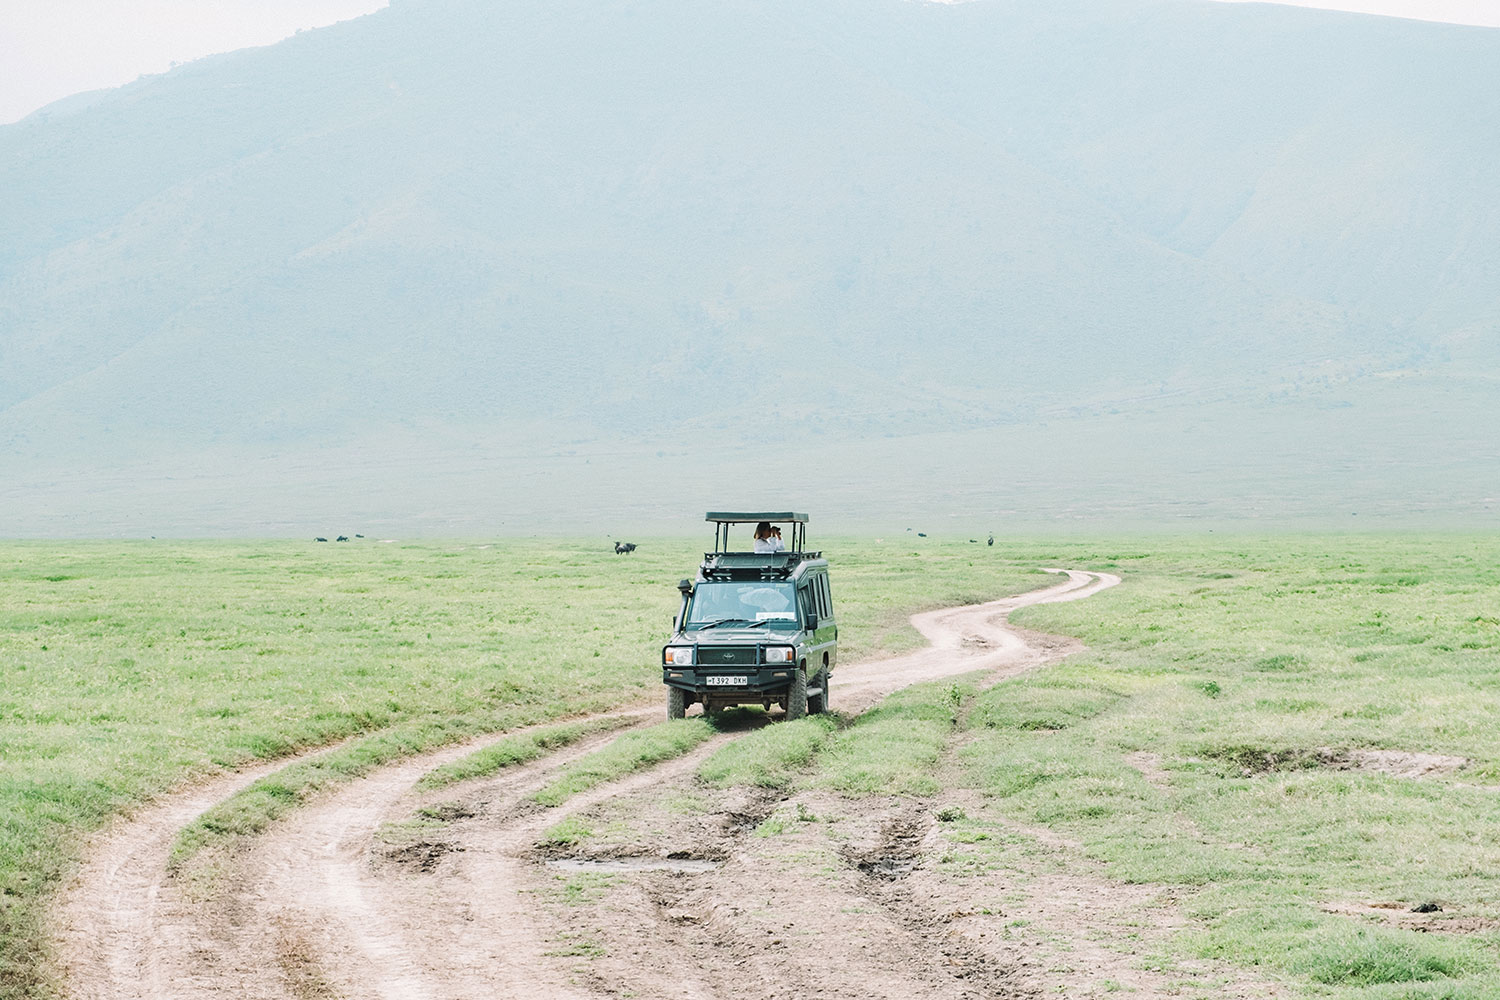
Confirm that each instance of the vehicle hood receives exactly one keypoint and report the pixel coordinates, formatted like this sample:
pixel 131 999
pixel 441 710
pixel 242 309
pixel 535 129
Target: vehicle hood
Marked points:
pixel 736 636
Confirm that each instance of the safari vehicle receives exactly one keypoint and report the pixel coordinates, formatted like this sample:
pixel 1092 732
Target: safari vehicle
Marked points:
pixel 755 628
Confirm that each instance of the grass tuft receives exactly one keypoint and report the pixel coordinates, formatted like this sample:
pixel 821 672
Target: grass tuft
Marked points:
pixel 1371 958
pixel 520 748
pixel 775 756
pixel 629 753
pixel 894 748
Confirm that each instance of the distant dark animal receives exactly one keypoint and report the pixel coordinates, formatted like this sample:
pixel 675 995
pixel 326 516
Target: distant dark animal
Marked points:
pixel 359 536
pixel 342 538
pixel 921 534
pixel 991 541
pixel 320 539
pixel 975 540
pixel 624 547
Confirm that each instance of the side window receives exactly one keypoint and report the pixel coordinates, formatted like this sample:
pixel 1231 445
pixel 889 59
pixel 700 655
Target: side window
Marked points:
pixel 825 605
pixel 805 599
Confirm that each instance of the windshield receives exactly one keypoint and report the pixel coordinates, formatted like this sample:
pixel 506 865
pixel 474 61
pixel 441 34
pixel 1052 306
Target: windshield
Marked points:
pixel 743 601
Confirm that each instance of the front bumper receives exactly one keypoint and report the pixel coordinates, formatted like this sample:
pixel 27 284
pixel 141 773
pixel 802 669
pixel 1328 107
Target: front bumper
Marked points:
pixel 763 679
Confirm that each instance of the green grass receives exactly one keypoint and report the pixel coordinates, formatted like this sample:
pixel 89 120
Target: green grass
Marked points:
pixel 628 753
pixel 1251 671
pixel 252 810
pixel 1244 666
pixel 126 668
pixel 567 832
pixel 512 750
pixel 771 757
pixel 129 667
pixel 894 748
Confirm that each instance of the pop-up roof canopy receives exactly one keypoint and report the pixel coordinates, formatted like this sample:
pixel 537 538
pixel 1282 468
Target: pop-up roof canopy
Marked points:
pixel 782 517
pixel 723 519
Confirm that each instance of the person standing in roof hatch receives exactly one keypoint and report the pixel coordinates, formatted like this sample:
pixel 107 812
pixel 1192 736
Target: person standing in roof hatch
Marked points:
pixel 766 540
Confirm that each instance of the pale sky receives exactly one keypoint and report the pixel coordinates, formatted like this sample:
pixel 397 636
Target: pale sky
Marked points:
pixel 1484 12
pixel 52 48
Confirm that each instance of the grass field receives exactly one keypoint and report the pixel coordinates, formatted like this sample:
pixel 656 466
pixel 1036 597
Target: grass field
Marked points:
pixel 1269 696
pixel 1297 737
pixel 127 668
pixel 1225 734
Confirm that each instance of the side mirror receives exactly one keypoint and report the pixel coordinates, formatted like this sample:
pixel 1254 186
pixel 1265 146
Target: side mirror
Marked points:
pixel 686 586
pixel 812 620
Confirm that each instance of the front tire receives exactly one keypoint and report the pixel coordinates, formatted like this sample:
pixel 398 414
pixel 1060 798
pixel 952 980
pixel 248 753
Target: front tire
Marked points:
pixel 796 698
pixel 818 704
pixel 676 703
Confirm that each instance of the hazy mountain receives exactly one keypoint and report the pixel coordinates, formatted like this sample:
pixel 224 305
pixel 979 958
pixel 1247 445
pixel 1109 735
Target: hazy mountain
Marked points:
pixel 428 266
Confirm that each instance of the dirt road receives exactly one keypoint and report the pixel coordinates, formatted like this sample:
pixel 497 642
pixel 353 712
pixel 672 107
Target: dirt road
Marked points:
pixel 849 902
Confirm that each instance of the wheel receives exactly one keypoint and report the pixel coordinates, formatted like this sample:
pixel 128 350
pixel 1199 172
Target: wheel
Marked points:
pixel 796 698
pixel 676 703
pixel 818 703
pixel 825 703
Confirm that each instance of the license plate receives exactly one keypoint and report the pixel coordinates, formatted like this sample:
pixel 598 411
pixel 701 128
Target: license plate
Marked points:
pixel 725 680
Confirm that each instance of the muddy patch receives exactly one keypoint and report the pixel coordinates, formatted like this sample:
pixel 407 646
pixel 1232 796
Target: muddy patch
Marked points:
pixel 447 812
pixel 1249 760
pixel 658 827
pixel 423 856
pixel 897 851
pixel 747 809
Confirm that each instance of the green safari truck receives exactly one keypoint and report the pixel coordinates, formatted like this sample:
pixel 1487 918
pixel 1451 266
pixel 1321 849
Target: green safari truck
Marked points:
pixel 757 625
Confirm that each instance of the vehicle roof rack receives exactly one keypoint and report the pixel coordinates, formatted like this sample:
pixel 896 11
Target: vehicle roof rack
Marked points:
pixel 753 565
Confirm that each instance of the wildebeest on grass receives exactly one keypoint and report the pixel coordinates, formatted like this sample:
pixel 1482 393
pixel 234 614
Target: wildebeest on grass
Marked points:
pixel 624 547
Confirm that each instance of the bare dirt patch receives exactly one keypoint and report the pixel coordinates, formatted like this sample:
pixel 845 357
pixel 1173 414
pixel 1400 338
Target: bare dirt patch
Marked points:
pixel 1426 916
pixel 1252 760
pixel 1402 763
pixel 1150 767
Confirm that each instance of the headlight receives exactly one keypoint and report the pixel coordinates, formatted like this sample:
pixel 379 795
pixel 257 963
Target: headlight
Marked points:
pixel 678 656
pixel 779 654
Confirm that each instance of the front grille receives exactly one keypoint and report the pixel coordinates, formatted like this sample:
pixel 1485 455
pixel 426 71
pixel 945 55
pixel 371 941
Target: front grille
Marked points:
pixel 727 656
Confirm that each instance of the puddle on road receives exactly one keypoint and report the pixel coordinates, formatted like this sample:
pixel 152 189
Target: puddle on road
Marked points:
pixel 690 865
